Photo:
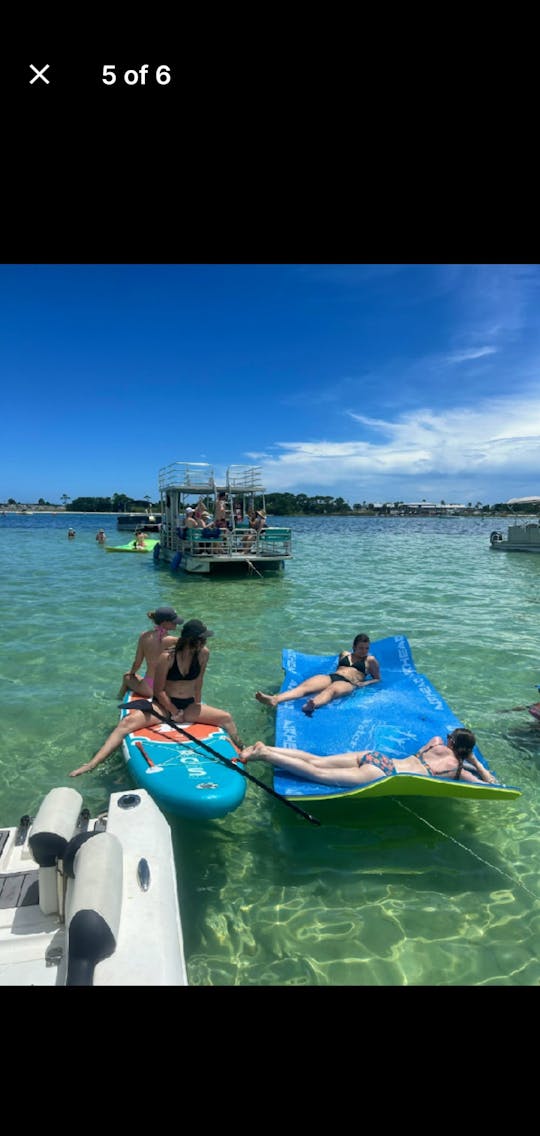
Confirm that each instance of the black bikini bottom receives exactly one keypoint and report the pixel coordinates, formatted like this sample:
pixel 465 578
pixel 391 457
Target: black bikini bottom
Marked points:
pixel 341 678
pixel 181 703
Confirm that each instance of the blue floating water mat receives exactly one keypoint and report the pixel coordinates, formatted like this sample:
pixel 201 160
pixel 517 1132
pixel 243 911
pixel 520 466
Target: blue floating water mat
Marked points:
pixel 395 716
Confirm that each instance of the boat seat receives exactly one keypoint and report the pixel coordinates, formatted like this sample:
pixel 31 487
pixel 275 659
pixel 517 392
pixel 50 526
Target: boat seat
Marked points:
pixel 276 534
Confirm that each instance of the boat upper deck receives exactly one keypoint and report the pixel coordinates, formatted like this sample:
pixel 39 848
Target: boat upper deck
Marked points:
pixel 199 477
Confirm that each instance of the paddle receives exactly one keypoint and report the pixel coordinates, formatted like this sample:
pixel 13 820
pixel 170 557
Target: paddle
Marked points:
pixel 148 709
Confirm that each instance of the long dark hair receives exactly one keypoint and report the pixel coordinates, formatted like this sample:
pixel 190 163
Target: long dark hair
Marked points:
pixel 194 642
pixel 462 743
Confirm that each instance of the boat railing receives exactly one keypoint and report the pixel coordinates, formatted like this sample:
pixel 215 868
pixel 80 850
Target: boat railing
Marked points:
pixel 244 479
pixel 271 542
pixel 190 477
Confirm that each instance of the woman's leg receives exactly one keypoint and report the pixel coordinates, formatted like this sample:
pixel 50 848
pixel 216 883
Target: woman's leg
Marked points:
pixel 138 685
pixel 198 712
pixel 342 769
pixel 335 760
pixel 309 686
pixel 135 720
pixel 335 690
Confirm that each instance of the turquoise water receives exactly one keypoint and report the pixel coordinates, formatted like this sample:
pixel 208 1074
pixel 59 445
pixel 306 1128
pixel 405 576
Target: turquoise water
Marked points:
pixel 413 893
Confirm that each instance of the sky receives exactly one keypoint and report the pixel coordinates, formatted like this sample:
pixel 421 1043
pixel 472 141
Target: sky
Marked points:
pixel 371 382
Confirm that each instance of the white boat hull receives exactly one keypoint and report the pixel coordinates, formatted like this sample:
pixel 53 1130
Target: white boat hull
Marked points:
pixel 519 538
pixel 123 881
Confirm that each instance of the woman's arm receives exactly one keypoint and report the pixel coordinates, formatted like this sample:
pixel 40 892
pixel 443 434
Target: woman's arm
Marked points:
pixel 204 655
pixel 139 657
pixel 483 773
pixel 373 667
pixel 160 679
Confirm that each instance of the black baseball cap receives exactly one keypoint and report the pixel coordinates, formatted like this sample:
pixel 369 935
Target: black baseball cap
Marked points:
pixel 166 615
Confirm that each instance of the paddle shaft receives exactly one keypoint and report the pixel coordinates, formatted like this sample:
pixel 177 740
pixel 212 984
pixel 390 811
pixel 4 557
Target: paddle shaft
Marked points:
pixel 148 708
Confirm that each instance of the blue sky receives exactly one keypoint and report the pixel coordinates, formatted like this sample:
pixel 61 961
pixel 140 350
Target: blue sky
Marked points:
pixel 377 382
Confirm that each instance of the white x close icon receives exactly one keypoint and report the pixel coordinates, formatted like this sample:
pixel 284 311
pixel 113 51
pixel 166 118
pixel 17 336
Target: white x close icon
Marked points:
pixel 39 74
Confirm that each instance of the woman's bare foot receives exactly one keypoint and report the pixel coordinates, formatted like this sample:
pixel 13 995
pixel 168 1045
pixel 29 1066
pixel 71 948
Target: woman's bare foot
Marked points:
pixel 266 699
pixel 254 753
pixel 309 707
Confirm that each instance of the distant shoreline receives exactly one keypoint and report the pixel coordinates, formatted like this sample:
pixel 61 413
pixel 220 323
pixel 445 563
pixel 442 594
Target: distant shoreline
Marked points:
pixel 318 516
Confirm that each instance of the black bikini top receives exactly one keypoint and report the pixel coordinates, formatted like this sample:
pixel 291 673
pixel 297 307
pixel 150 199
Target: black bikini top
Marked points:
pixel 346 662
pixel 175 674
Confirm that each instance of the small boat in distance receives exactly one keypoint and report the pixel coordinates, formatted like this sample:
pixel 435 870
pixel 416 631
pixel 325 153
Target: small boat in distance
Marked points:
pixel 90 902
pixel 520 537
pixel 146 522
pixel 219 549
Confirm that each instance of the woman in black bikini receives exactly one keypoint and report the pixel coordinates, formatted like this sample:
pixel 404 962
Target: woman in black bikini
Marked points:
pixel 347 769
pixel 178 683
pixel 352 671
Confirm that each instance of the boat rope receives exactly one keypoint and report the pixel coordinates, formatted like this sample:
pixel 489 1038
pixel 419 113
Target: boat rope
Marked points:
pixel 253 568
pixel 466 849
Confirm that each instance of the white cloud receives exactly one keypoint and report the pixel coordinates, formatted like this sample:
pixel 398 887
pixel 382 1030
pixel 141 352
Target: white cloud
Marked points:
pixel 486 452
pixel 472 353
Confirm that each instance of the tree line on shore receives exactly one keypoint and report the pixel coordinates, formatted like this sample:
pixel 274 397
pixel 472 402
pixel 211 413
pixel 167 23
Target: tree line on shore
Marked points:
pixel 280 504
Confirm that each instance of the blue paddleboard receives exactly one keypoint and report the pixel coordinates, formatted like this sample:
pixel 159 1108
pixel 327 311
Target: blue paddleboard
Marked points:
pixel 179 773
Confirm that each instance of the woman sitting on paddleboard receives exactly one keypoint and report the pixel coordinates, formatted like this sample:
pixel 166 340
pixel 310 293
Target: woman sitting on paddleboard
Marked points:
pixel 358 768
pixel 178 684
pixel 150 647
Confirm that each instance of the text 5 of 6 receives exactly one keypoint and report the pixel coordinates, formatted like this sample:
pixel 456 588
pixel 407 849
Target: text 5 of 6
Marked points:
pixel 134 76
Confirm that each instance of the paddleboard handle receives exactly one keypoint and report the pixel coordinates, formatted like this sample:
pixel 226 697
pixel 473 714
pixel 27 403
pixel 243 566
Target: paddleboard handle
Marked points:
pixel 144 753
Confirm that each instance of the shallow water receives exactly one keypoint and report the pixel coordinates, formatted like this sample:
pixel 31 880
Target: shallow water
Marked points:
pixel 389 893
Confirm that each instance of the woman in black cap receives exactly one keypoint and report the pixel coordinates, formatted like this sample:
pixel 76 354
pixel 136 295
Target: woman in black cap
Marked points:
pixel 150 646
pixel 179 680
pixel 178 683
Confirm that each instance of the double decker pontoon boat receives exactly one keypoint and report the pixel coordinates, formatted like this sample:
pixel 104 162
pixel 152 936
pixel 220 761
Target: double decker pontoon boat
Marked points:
pixel 233 547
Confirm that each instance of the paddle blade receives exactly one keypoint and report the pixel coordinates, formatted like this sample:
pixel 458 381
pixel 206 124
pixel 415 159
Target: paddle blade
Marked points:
pixel 139 704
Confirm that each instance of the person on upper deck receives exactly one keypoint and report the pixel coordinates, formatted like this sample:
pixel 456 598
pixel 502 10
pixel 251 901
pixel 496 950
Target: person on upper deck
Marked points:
pixel 352 671
pixel 357 768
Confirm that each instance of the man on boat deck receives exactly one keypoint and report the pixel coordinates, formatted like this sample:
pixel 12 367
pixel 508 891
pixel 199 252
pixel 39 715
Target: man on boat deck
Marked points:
pixel 352 671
